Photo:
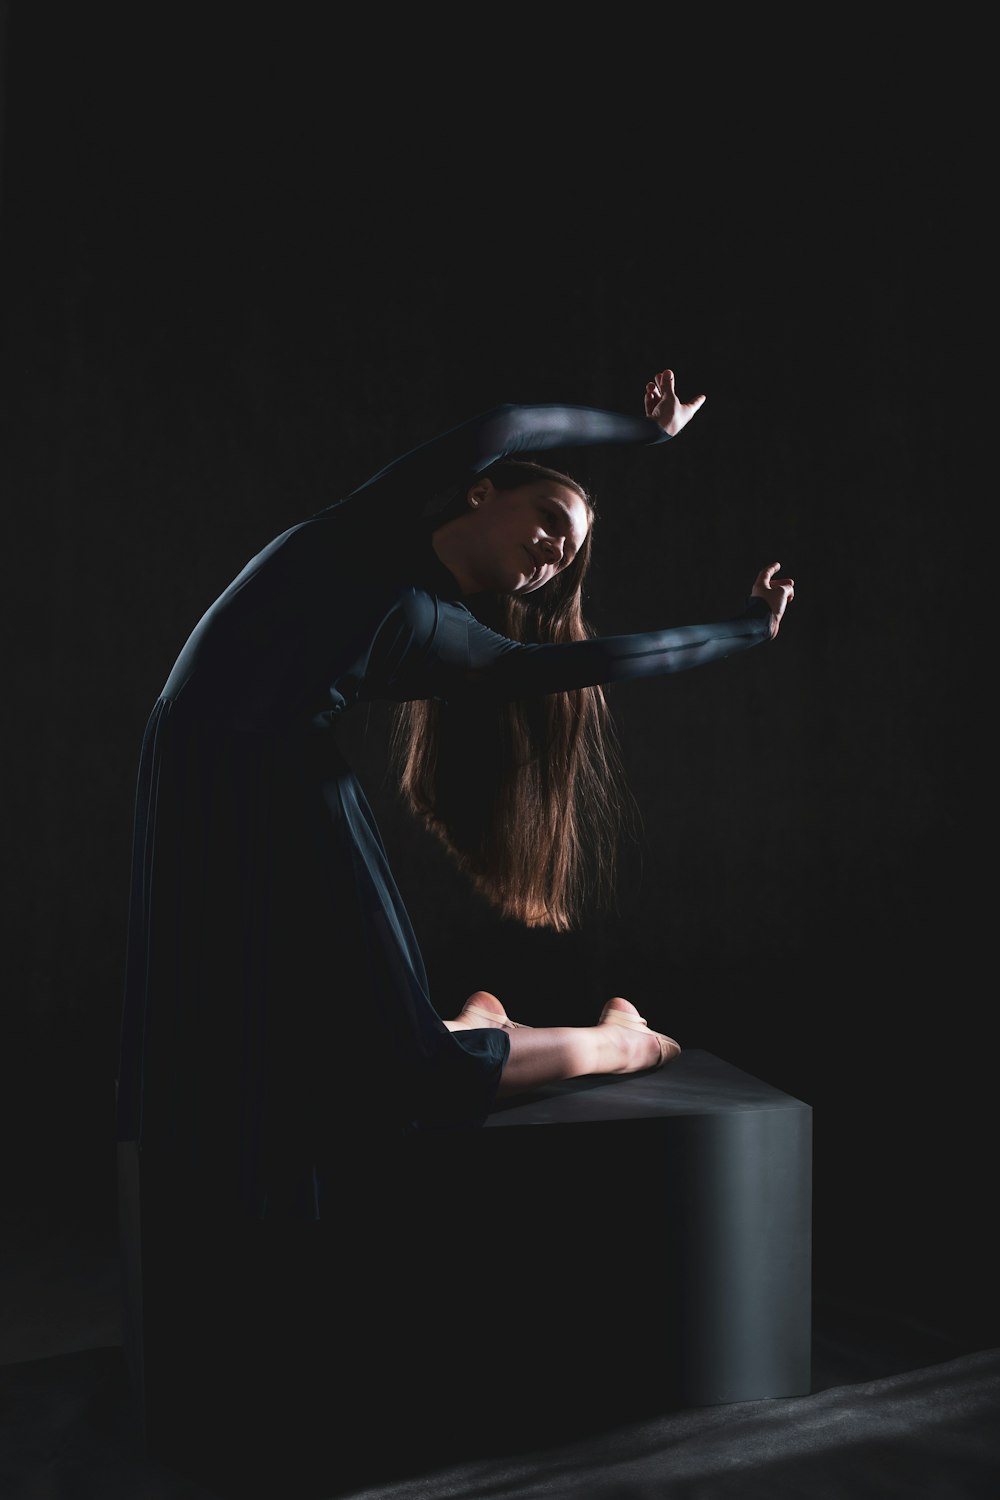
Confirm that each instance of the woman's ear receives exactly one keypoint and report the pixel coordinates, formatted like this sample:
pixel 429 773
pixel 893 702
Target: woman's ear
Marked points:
pixel 480 493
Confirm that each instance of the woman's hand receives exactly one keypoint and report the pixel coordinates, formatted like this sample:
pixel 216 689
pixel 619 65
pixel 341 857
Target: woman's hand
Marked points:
pixel 777 593
pixel 663 406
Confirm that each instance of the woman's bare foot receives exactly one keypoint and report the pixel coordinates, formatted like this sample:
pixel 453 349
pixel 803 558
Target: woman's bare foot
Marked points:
pixel 620 1042
pixel 481 1012
pixel 635 1041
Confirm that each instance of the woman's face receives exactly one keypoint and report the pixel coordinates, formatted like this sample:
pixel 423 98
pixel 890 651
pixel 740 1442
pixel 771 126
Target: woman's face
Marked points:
pixel 515 541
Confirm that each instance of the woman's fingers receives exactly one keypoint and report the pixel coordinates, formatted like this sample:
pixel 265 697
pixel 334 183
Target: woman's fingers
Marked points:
pixel 766 578
pixel 663 406
pixel 776 593
pixel 661 403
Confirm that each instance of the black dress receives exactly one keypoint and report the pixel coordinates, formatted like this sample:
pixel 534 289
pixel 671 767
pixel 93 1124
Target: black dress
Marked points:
pixel 276 1010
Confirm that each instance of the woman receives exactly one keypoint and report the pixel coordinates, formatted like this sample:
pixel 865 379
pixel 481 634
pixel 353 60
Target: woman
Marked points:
pixel 275 995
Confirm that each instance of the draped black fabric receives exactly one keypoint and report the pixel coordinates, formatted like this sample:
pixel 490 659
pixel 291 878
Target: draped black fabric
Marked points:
pixel 277 1025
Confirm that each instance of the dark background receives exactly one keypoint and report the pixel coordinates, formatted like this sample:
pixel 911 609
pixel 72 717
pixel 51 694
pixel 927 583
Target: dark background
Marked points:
pixel 249 257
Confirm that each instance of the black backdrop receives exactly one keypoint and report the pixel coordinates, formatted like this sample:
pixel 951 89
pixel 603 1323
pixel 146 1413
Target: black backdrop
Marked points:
pixel 248 261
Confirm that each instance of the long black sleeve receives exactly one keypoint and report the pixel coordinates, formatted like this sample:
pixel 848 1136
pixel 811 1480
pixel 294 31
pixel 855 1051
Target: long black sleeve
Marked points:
pixel 300 619
pixel 420 481
pixel 430 648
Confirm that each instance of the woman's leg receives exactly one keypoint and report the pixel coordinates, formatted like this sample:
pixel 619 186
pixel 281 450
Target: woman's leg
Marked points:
pixel 549 1054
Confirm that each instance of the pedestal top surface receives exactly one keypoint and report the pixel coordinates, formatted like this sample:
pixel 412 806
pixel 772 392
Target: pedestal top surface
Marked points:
pixel 695 1083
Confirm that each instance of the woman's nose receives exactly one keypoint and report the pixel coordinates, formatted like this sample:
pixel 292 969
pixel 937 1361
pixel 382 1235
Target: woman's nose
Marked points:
pixel 552 547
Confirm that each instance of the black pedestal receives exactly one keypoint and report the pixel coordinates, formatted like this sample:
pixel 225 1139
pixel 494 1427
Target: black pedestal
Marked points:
pixel 602 1250
pixel 688 1190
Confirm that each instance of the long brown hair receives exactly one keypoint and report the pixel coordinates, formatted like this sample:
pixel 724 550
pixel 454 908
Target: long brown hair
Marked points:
pixel 529 796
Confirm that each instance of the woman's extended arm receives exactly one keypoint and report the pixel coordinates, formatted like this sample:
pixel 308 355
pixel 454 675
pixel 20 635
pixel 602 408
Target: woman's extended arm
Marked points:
pixel 421 481
pixel 429 649
pixel 424 478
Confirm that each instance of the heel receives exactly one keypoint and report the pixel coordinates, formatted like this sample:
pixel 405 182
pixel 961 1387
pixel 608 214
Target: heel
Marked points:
pixel 488 1015
pixel 622 1018
pixel 666 1044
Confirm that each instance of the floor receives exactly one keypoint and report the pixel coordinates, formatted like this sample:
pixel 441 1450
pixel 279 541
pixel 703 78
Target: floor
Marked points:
pixel 896 1409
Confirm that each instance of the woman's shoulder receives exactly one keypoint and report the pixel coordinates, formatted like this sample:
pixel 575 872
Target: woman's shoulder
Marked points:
pixel 423 608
